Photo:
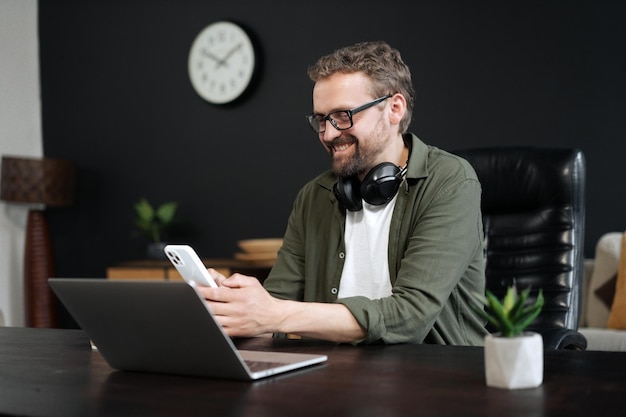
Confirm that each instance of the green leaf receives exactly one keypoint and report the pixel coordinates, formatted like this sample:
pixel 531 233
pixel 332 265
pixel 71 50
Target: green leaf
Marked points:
pixel 499 313
pixel 487 317
pixel 509 299
pixel 526 319
pixel 519 304
pixel 144 210
pixel 165 213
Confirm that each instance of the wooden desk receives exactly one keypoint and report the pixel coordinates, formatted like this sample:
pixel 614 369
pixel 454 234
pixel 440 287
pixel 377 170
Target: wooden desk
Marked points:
pixel 152 269
pixel 51 372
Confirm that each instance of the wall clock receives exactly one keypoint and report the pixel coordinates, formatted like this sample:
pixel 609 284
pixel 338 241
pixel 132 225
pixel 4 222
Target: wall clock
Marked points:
pixel 221 63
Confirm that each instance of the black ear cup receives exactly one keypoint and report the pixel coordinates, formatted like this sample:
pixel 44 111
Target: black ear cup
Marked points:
pixel 348 193
pixel 379 186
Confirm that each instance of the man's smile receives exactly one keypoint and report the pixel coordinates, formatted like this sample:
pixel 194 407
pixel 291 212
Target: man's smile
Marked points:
pixel 341 145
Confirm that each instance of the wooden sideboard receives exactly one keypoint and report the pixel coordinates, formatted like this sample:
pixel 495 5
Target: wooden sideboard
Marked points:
pixel 156 269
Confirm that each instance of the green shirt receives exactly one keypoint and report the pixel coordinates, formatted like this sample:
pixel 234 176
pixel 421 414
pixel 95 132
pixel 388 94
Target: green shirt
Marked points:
pixel 436 253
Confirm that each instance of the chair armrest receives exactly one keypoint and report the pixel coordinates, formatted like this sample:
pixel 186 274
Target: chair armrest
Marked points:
pixel 560 338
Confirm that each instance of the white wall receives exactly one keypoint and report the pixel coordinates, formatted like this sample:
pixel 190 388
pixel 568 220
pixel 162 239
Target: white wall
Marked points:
pixel 20 134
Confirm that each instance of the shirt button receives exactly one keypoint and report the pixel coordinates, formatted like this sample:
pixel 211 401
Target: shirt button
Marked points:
pixel 334 291
pixel 342 255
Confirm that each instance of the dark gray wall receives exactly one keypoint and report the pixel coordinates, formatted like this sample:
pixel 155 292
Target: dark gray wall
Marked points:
pixel 117 99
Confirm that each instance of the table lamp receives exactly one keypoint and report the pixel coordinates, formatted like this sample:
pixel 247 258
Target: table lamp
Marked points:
pixel 47 182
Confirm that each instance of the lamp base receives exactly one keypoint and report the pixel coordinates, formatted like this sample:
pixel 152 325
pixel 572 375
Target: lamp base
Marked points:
pixel 40 301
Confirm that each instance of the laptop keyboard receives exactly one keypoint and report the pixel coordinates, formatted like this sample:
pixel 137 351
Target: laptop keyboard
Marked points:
pixel 256 366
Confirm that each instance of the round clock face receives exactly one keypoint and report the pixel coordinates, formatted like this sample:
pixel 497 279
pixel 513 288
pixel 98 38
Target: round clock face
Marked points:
pixel 221 62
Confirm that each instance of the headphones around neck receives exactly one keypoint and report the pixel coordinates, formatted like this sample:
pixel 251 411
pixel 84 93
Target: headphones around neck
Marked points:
pixel 379 186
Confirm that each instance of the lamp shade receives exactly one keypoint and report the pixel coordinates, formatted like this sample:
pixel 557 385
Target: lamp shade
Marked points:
pixel 46 181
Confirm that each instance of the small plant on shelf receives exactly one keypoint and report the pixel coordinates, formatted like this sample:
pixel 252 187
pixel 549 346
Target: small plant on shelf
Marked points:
pixel 153 222
pixel 513 314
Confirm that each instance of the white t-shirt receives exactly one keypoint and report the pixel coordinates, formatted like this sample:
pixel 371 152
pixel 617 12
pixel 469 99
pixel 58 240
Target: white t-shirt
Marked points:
pixel 366 269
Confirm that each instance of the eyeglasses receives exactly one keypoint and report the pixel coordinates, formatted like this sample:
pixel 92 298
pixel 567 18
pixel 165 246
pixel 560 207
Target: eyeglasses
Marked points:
pixel 342 119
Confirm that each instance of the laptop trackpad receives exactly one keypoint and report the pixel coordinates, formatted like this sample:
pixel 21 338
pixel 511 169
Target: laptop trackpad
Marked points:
pixel 259 361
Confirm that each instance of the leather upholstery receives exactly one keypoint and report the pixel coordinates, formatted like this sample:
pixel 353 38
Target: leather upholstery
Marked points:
pixel 533 213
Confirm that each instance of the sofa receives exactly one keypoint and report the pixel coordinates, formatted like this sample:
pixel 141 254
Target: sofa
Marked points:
pixel 603 316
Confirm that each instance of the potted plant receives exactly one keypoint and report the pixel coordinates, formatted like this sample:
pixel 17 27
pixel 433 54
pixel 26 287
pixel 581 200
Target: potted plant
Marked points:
pixel 513 356
pixel 154 222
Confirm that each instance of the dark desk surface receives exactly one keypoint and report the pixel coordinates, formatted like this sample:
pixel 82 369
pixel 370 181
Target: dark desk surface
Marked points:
pixel 48 372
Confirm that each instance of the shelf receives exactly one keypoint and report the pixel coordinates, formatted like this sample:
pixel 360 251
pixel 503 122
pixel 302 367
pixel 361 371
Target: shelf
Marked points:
pixel 163 270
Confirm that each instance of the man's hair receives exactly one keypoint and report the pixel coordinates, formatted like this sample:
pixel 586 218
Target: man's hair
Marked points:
pixel 380 62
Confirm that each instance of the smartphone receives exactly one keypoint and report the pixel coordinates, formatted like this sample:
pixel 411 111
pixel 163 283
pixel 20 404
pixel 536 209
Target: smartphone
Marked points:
pixel 188 264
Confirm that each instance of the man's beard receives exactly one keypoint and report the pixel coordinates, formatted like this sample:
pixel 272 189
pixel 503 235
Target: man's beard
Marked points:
pixel 350 166
pixel 363 158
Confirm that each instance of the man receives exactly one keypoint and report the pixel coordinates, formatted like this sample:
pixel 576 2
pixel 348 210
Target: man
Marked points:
pixel 385 247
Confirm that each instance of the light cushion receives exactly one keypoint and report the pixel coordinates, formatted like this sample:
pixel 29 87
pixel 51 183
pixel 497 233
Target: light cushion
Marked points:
pixel 604 339
pixel 605 268
pixel 617 317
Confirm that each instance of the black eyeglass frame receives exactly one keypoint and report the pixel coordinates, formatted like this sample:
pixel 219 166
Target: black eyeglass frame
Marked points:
pixel 322 121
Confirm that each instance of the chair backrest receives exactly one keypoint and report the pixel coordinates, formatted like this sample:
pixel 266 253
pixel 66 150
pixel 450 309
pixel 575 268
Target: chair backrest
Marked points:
pixel 534 218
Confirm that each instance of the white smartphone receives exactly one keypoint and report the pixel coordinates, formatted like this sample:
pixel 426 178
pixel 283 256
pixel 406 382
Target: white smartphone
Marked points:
pixel 188 264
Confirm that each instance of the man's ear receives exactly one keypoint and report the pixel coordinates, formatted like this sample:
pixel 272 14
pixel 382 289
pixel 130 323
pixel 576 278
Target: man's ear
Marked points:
pixel 398 108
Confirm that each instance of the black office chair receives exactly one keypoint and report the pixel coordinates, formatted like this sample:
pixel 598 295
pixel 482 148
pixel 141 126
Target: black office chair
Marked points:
pixel 533 212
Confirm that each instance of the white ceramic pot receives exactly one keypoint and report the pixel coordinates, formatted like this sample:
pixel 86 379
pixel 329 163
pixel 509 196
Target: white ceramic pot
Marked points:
pixel 514 362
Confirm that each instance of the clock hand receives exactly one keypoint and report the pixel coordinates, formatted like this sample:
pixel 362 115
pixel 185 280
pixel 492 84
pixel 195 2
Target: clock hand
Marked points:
pixel 211 56
pixel 228 55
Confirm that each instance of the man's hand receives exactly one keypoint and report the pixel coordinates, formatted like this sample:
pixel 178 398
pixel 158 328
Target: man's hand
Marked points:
pixel 244 308
pixel 241 305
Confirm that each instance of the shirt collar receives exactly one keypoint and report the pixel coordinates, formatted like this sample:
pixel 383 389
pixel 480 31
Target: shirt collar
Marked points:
pixel 418 157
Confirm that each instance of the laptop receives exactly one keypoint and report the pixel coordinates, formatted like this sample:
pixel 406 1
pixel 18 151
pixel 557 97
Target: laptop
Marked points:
pixel 164 327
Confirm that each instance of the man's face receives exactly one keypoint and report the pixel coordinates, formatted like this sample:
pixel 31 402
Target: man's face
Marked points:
pixel 356 150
